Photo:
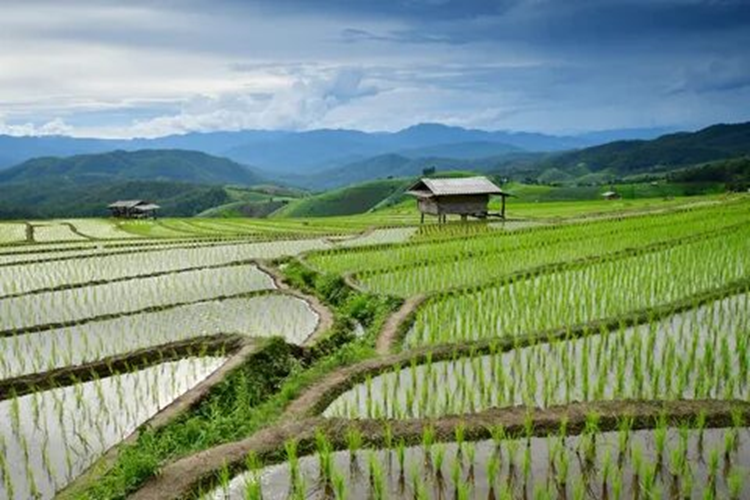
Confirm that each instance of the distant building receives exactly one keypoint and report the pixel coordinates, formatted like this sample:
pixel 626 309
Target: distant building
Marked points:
pixel 611 195
pixel 464 196
pixel 133 209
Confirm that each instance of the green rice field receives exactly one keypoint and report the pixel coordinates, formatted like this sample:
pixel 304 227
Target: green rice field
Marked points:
pixel 578 350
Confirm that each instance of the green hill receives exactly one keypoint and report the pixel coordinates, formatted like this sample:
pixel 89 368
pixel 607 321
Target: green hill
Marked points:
pixel 117 166
pixel 51 200
pixel 396 165
pixel 350 200
pixel 658 155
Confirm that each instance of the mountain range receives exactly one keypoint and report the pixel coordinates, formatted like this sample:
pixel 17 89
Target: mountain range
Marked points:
pixel 188 182
pixel 304 153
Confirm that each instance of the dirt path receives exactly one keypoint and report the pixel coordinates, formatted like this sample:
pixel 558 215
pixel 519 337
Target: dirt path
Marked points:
pixel 391 332
pixel 180 478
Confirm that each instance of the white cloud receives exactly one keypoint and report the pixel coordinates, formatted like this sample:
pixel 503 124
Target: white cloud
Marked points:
pixel 304 102
pixel 53 127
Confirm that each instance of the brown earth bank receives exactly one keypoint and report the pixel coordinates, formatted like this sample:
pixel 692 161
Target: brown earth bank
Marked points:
pixel 183 478
pixel 222 344
pixel 395 327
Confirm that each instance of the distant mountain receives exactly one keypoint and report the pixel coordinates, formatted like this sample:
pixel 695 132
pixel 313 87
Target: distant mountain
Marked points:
pixel 285 152
pixel 469 150
pixel 397 165
pixel 665 153
pixel 118 166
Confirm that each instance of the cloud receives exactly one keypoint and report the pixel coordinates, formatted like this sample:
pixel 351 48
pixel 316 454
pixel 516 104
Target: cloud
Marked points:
pixel 53 127
pixel 101 67
pixel 303 104
pixel 718 75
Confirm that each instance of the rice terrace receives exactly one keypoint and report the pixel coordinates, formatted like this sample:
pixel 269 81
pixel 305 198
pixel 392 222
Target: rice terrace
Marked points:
pixel 374 249
pixel 600 353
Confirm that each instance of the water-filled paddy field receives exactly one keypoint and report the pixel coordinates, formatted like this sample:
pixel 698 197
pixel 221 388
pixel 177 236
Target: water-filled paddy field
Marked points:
pixel 662 463
pixel 407 362
pixel 48 438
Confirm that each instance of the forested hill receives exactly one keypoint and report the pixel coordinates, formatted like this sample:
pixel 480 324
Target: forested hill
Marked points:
pixel 116 166
pixel 662 154
pixel 183 182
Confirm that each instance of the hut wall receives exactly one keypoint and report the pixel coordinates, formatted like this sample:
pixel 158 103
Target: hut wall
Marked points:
pixel 462 204
pixel 428 206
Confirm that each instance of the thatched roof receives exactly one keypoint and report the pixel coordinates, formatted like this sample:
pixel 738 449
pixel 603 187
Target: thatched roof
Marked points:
pixel 454 186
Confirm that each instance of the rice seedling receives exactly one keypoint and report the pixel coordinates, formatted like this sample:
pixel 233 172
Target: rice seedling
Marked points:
pixel 440 470
pixel 258 316
pixel 74 427
pixel 31 277
pixel 583 294
pixel 49 231
pixel 465 249
pixel 12 232
pixel 626 364
pixel 63 306
pixel 100 229
pixel 474 270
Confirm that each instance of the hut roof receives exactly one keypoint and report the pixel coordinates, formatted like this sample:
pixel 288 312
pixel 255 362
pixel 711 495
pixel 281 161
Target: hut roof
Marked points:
pixel 147 207
pixel 126 204
pixel 454 186
pixel 609 193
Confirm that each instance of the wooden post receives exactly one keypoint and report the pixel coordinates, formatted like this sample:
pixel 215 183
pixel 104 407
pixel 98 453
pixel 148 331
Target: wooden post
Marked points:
pixel 421 221
pixel 502 211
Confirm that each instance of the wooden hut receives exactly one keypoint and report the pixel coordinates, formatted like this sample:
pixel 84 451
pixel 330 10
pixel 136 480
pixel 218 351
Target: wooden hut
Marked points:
pixel 611 195
pixel 133 209
pixel 464 196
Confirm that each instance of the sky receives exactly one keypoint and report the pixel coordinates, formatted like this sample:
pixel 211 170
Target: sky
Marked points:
pixel 102 68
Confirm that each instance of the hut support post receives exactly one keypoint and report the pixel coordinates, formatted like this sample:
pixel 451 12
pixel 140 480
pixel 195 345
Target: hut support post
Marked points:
pixel 502 210
pixel 421 220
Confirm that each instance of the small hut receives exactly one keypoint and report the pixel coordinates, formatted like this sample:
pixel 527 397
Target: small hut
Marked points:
pixel 464 196
pixel 611 195
pixel 133 209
